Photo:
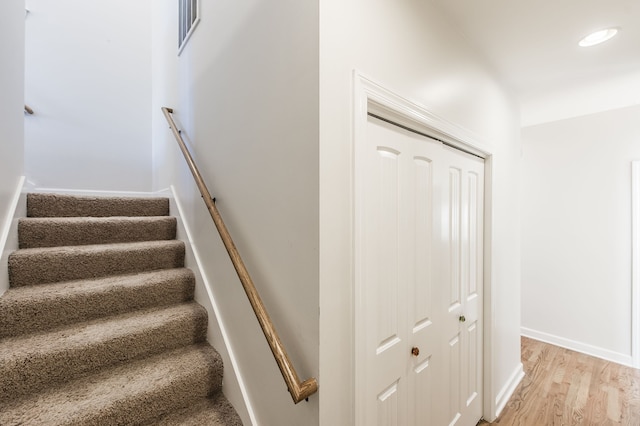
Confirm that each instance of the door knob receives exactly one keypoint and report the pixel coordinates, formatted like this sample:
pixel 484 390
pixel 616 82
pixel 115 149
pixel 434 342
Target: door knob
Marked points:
pixel 462 318
pixel 415 351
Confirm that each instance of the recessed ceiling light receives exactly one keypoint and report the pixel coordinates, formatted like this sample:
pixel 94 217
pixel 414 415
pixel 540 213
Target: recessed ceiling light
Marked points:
pixel 598 37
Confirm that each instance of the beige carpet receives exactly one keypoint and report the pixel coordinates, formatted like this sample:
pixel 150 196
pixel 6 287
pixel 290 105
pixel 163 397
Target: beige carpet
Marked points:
pixel 99 326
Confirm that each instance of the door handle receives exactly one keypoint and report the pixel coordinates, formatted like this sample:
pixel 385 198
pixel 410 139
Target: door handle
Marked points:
pixel 462 318
pixel 415 351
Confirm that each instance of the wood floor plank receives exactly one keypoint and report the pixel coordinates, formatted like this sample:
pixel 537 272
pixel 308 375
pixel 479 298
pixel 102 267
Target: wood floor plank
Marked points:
pixel 563 387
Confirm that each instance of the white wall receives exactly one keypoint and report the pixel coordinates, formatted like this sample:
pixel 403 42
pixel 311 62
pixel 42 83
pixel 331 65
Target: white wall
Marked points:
pixel 88 78
pixel 164 92
pixel 576 271
pixel 577 98
pixel 409 47
pixel 12 100
pixel 248 106
pixel 245 92
pixel 11 116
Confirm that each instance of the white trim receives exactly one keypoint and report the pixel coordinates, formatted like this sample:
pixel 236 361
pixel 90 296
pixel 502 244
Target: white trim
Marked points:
pixel 9 232
pixel 192 28
pixel 490 409
pixel 584 348
pixel 13 207
pixel 382 101
pixel 361 97
pixel 370 96
pixel 216 310
pixel 635 264
pixel 508 389
pixel 186 39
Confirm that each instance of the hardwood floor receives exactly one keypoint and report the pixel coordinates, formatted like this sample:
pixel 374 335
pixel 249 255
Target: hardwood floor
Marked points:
pixel 562 387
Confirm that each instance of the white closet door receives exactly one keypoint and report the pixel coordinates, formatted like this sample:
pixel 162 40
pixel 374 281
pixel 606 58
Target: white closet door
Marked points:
pixel 413 198
pixel 460 252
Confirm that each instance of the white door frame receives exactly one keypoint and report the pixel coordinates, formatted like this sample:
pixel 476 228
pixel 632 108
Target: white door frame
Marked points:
pixel 635 264
pixel 371 97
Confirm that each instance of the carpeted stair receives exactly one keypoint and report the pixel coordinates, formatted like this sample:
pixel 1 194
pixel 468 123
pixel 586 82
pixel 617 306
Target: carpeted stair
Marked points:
pixel 99 326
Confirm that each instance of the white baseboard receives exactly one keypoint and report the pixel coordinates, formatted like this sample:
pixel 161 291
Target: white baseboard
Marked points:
pixel 193 261
pixel 635 264
pixel 573 345
pixel 509 388
pixel 9 232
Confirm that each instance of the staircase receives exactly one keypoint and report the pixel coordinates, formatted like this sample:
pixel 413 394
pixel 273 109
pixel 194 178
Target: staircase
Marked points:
pixel 99 326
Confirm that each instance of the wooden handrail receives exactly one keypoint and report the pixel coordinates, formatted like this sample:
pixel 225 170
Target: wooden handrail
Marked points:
pixel 28 109
pixel 298 390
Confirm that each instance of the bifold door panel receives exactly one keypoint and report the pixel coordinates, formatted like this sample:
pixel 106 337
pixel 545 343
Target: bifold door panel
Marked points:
pixel 419 221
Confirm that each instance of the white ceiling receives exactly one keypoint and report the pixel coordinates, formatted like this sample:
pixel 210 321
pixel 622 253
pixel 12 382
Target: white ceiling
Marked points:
pixel 533 45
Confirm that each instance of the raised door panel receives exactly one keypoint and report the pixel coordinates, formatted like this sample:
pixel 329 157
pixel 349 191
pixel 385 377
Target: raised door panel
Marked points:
pixel 420 256
pixel 423 375
pixel 384 281
pixel 423 390
pixel 463 244
pixel 472 290
pixel 451 273
pixel 390 406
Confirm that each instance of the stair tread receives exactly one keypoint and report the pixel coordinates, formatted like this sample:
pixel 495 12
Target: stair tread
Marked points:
pixel 29 363
pixel 59 205
pixel 54 264
pixel 70 231
pixel 130 393
pixel 99 326
pixel 45 306
pixel 103 329
pixel 216 411
pixel 93 285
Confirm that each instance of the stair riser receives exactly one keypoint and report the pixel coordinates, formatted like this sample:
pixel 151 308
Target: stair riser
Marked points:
pixel 74 231
pixel 99 326
pixel 33 314
pixel 27 373
pixel 54 205
pixel 214 411
pixel 78 263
